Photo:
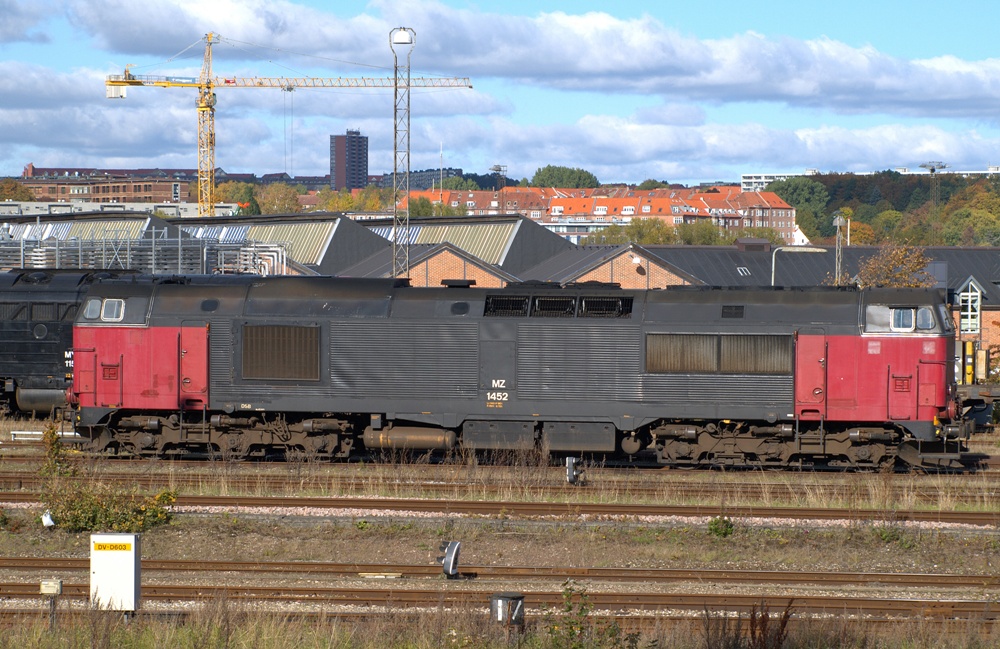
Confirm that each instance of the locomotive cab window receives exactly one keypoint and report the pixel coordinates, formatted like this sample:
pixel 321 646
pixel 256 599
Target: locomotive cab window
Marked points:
pixel 92 309
pixel 881 318
pixel 109 310
pixel 907 319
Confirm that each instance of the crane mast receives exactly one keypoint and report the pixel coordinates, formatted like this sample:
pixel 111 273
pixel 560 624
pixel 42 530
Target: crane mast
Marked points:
pixel 206 134
pixel 206 84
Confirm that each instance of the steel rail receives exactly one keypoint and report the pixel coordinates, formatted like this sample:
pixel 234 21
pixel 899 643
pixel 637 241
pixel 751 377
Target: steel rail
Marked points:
pixel 561 573
pixel 446 507
pixel 630 601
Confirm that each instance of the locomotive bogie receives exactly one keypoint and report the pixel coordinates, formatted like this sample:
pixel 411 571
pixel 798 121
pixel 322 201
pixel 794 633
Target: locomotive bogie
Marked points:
pixel 221 435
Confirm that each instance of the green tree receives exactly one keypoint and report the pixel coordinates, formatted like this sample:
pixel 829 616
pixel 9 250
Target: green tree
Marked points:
pixel 641 231
pixel 278 198
pixel 805 218
pixel 421 207
pixel 971 227
pixel 801 193
pixel 649 183
pixel 700 233
pixel 240 193
pixel 460 183
pixel 729 237
pixel 554 176
pixel 886 225
pixel 11 190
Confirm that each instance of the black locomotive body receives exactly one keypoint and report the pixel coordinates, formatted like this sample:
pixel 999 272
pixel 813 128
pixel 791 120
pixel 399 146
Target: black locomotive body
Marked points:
pixel 688 376
pixel 37 309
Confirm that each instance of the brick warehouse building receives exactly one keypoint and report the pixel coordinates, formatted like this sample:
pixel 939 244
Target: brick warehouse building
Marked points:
pixel 86 186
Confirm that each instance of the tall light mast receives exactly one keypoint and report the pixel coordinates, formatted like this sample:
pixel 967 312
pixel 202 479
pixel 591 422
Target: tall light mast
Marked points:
pixel 404 39
pixel 933 167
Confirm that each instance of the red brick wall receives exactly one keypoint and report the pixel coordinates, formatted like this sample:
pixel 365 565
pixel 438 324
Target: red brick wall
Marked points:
pixel 448 265
pixel 625 271
pixel 989 324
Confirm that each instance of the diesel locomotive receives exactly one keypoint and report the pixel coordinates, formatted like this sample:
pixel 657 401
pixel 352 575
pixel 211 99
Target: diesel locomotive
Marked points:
pixel 37 309
pixel 683 376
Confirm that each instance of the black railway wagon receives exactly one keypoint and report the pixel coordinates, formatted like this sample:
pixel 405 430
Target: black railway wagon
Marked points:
pixel 37 308
pixel 693 376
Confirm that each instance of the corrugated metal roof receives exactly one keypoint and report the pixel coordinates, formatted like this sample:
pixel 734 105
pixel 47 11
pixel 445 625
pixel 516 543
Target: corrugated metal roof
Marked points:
pixel 120 229
pixel 87 230
pixel 307 242
pixel 488 241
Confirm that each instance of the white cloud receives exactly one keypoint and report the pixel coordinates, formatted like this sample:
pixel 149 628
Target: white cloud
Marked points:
pixel 623 98
pixel 21 20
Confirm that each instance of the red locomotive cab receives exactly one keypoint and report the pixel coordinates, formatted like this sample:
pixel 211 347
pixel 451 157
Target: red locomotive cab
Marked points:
pixel 122 362
pixel 903 364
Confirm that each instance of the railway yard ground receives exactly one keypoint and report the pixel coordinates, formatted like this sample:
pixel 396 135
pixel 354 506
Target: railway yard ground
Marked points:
pixel 275 555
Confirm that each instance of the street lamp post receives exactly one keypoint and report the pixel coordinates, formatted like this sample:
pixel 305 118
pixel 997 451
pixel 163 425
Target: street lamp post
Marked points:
pixel 790 249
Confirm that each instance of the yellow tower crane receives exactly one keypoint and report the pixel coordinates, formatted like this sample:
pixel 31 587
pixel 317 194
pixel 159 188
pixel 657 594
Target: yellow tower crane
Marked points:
pixel 116 85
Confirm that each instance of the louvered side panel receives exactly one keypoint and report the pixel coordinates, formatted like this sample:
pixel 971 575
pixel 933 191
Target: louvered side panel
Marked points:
pixel 556 362
pixel 220 361
pixel 697 394
pixel 404 360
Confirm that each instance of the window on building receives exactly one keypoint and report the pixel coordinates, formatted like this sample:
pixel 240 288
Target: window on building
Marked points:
pixel 969 302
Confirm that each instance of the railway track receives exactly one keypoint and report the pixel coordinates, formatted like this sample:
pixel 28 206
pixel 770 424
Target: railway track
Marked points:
pixel 970 609
pixel 986 458
pixel 444 507
pixel 51 565
pixel 678 490
pixel 437 481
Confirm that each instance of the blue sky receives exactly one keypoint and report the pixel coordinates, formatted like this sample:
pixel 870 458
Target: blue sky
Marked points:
pixel 678 91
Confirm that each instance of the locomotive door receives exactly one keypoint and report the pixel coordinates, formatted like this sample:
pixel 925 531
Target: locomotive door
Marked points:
pixel 192 364
pixel 902 393
pixel 810 374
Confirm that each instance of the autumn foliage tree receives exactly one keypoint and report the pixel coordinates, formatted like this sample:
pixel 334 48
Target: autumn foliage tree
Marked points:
pixel 11 190
pixel 277 198
pixel 896 265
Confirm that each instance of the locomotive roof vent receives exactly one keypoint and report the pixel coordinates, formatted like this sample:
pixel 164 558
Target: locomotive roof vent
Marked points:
pixel 458 283
pixel 732 310
pixel 559 306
